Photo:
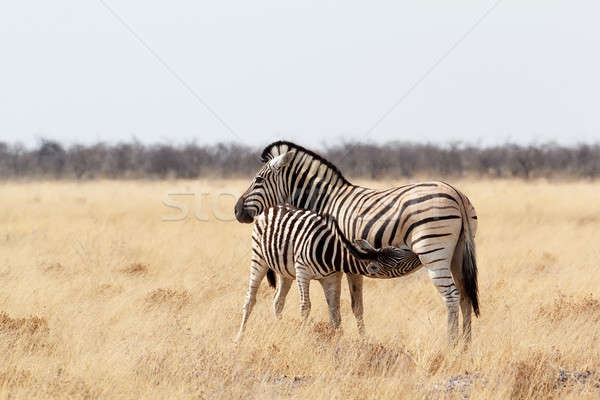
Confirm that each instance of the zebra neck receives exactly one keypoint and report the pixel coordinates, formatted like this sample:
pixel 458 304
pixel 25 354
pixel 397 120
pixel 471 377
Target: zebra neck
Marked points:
pixel 312 184
pixel 355 265
pixel 354 260
pixel 316 191
pixel 361 266
pixel 344 205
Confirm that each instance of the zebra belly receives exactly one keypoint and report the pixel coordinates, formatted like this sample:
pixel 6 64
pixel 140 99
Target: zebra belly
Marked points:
pixel 318 271
pixel 408 269
pixel 409 266
pixel 287 271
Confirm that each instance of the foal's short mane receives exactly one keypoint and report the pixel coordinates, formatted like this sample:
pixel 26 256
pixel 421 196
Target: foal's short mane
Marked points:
pixel 274 149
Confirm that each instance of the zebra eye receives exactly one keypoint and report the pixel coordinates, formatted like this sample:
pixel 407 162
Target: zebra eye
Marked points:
pixel 259 179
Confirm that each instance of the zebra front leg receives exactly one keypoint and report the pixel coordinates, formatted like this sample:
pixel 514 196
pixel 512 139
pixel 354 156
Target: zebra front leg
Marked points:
pixel 282 290
pixel 303 280
pixel 355 286
pixel 257 273
pixel 332 288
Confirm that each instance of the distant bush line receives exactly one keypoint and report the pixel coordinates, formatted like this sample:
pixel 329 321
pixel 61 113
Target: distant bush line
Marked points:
pixel 134 160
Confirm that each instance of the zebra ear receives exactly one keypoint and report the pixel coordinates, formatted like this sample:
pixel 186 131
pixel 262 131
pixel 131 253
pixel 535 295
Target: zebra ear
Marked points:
pixel 281 161
pixel 365 246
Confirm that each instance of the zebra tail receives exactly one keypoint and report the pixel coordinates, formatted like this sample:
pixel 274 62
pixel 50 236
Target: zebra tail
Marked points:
pixel 469 263
pixel 271 278
pixel 469 272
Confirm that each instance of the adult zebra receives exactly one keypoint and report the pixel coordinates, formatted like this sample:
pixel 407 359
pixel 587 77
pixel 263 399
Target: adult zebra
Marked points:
pixel 432 219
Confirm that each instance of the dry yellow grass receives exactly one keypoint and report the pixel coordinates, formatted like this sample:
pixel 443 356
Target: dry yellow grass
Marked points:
pixel 99 297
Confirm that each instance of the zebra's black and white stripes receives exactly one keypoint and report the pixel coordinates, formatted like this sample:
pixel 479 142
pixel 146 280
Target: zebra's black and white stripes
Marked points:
pixel 432 219
pixel 303 245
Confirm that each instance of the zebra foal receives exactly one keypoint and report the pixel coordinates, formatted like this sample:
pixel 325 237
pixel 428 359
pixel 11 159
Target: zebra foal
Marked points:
pixel 303 245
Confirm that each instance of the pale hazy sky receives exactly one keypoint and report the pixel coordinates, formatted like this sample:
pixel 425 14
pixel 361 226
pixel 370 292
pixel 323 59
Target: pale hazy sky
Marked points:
pixel 309 71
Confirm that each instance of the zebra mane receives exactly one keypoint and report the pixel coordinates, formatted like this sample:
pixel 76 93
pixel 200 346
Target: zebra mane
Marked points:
pixel 277 148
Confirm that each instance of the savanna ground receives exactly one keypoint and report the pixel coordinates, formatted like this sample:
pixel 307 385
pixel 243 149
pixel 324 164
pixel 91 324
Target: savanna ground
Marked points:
pixel 101 297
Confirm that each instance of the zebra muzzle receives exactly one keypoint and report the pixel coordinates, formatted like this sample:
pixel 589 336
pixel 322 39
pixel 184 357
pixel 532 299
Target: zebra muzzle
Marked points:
pixel 241 214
